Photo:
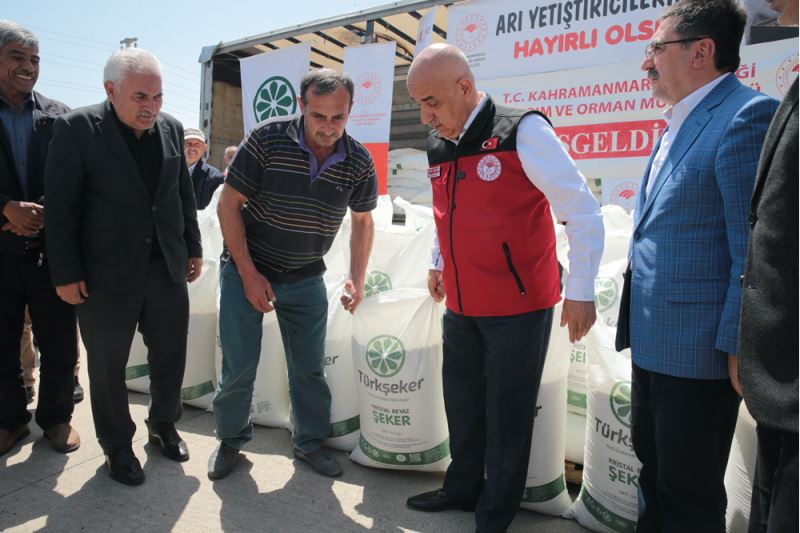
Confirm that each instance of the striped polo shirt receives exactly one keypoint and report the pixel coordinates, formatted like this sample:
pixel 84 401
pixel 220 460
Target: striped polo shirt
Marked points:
pixel 291 219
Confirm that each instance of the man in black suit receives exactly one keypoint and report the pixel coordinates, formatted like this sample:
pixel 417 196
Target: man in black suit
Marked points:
pixel 26 125
pixel 205 178
pixel 123 244
pixel 768 325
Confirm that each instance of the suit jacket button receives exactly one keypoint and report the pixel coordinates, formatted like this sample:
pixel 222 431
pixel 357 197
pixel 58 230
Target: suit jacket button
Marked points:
pixel 741 279
pixel 148 240
pixel 155 209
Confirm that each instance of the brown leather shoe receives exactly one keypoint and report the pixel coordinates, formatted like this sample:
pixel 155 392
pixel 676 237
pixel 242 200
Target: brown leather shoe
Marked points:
pixel 63 438
pixel 9 437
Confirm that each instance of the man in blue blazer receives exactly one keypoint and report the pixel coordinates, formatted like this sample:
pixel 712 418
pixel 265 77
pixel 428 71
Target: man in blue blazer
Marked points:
pixel 682 291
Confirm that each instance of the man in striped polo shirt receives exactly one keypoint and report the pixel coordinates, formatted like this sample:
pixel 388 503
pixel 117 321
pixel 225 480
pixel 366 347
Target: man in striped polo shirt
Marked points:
pixel 281 206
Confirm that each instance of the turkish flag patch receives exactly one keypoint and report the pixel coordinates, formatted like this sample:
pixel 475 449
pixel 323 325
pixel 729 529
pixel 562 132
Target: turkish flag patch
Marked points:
pixel 490 144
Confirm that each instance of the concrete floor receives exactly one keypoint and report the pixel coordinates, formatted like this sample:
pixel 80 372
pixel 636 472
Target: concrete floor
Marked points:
pixel 42 490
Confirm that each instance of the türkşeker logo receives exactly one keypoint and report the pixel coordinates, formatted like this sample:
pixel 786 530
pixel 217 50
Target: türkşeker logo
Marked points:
pixel 620 399
pixel 787 73
pixel 368 88
pixel 377 282
pixel 606 293
pixel 471 32
pixel 489 168
pixel 625 195
pixel 385 355
pixel 274 98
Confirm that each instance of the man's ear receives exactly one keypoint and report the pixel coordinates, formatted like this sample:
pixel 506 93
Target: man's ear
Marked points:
pixel 300 104
pixel 704 52
pixel 464 86
pixel 110 89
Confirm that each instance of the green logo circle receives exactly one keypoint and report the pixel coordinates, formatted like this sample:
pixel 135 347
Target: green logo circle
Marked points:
pixel 275 98
pixel 606 292
pixel 385 355
pixel 377 282
pixel 620 399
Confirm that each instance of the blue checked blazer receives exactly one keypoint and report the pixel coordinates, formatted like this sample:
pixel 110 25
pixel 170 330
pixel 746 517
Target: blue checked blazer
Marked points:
pixel 690 237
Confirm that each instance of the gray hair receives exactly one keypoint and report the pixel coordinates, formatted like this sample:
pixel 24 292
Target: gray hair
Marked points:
pixel 11 32
pixel 129 60
pixel 324 81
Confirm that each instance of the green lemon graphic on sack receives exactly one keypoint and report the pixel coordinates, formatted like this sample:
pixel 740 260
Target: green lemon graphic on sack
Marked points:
pixel 606 293
pixel 377 282
pixel 385 355
pixel 275 98
pixel 620 398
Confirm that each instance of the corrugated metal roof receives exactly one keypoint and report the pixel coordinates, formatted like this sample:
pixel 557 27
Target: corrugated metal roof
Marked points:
pixel 397 21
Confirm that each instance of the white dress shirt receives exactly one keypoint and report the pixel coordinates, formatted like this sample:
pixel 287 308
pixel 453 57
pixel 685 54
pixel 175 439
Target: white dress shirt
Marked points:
pixel 551 170
pixel 675 116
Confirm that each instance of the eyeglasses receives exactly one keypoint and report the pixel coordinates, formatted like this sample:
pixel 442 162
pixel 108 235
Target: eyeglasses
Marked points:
pixel 655 47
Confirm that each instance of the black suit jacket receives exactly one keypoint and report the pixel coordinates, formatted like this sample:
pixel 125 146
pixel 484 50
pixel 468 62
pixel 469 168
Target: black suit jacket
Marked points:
pixel 100 215
pixel 205 180
pixel 768 329
pixel 44 115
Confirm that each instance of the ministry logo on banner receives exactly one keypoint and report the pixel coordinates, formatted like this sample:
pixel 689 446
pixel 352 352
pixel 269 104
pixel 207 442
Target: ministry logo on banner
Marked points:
pixel 271 82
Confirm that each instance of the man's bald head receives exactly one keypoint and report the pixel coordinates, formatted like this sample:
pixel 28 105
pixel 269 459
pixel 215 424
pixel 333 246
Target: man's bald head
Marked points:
pixel 441 82
pixel 444 60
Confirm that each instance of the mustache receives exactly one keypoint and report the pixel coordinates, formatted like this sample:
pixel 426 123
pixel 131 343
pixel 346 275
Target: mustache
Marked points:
pixel 147 114
pixel 652 74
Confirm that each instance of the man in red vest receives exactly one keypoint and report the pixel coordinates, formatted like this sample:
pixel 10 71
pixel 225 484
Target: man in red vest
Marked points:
pixel 496 173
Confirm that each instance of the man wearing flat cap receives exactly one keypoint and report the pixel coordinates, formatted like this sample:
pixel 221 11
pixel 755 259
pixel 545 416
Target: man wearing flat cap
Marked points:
pixel 205 178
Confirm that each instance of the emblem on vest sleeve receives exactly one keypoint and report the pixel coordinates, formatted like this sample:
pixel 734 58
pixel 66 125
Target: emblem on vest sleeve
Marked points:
pixel 434 172
pixel 489 168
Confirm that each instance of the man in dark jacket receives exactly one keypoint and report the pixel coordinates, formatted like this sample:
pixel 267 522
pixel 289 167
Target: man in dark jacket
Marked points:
pixel 768 325
pixel 123 241
pixel 26 125
pixel 205 178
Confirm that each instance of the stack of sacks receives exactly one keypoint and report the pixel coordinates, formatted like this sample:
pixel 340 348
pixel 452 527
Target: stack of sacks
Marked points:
pixel 399 259
pixel 608 288
pixel 545 487
pixel 408 176
pixel 199 378
pixel 608 498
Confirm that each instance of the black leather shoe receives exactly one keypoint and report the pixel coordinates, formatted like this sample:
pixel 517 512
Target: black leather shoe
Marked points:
pixel 124 466
pixel 163 434
pixel 222 461
pixel 77 392
pixel 438 500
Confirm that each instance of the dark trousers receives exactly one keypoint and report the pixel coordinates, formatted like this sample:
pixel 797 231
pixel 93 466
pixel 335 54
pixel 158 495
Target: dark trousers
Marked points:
pixel 682 431
pixel 108 323
pixel 773 508
pixel 25 280
pixel 491 373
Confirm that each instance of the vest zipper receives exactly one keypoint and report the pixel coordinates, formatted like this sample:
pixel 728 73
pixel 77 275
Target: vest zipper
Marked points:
pixel 452 215
pixel 507 252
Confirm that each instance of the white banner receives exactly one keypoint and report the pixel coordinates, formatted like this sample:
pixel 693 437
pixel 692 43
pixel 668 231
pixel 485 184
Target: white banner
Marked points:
pixel 511 37
pixel 271 83
pixel 371 67
pixel 607 116
pixel 425 31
